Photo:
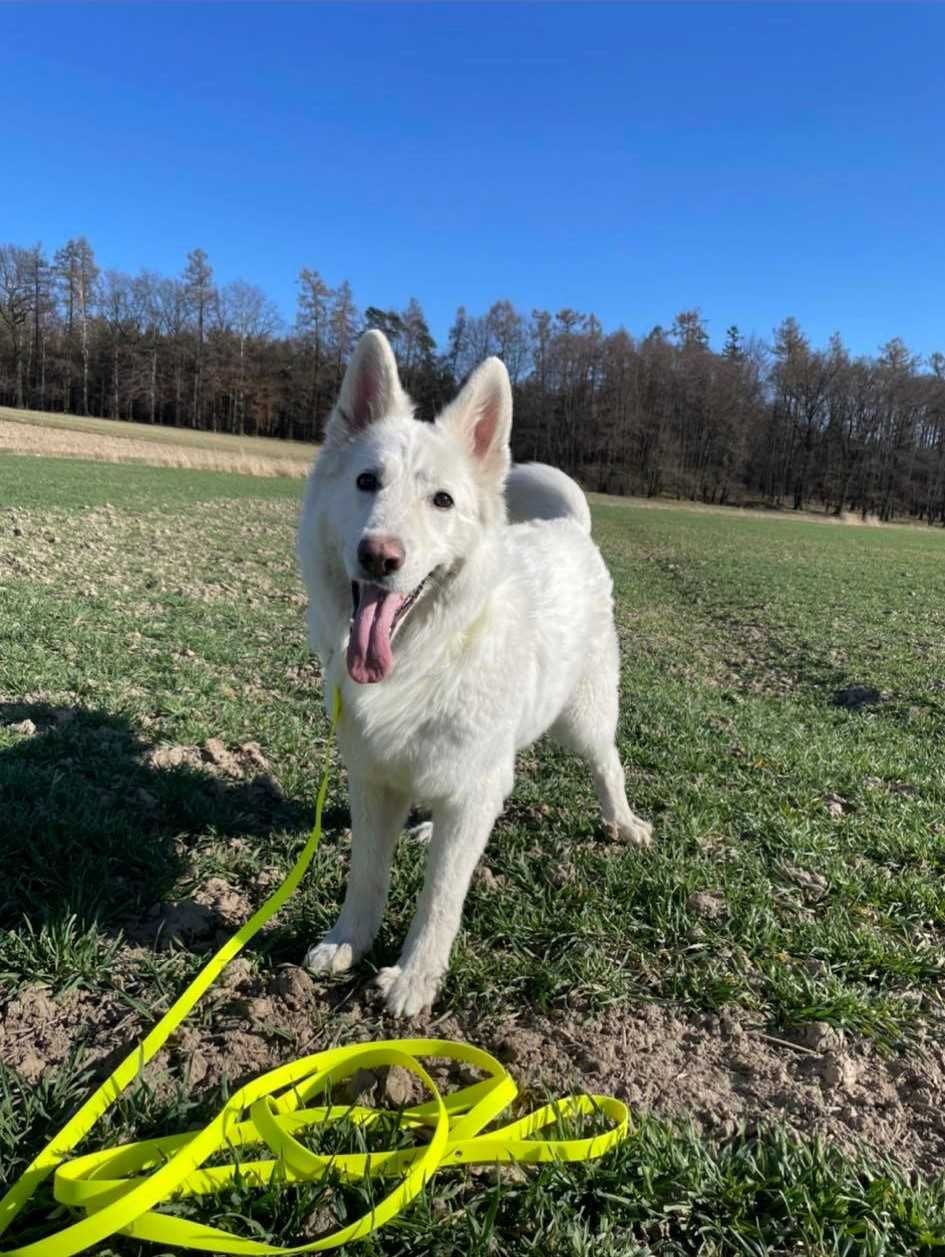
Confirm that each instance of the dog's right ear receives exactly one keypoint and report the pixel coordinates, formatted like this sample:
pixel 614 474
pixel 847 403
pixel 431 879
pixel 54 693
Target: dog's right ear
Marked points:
pixel 370 390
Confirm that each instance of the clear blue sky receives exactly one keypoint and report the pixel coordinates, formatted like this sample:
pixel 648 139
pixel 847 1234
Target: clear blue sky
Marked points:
pixel 752 160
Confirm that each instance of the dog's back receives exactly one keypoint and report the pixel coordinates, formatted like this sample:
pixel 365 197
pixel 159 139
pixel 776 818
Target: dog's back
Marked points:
pixel 537 491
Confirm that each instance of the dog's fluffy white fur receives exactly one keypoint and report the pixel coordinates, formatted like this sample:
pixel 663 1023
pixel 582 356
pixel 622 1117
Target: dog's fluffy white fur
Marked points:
pixel 510 635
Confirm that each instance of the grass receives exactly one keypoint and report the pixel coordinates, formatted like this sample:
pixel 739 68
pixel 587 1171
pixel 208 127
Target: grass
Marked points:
pixel 66 485
pixel 783 715
pixel 741 639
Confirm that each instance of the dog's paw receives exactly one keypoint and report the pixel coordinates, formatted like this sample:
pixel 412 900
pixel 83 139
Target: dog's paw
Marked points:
pixel 634 833
pixel 328 957
pixel 421 833
pixel 407 991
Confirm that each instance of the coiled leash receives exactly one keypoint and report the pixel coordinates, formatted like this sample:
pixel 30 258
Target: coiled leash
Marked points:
pixel 119 1189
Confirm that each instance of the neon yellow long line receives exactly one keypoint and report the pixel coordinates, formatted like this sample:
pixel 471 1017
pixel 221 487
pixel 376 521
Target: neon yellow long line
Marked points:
pixel 118 1190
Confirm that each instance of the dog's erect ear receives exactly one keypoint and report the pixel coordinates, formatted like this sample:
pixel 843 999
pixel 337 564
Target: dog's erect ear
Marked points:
pixel 370 390
pixel 481 417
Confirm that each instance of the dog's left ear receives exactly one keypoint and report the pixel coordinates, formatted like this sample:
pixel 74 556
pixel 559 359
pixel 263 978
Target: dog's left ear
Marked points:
pixel 481 417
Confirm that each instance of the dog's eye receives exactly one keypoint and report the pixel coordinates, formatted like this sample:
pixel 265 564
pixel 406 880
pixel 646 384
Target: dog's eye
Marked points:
pixel 367 482
pixel 442 500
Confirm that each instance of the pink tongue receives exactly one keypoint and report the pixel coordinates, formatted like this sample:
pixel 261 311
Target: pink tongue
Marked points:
pixel 369 652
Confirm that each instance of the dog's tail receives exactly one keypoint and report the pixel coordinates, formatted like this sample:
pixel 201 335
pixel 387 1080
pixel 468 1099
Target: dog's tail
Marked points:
pixel 537 491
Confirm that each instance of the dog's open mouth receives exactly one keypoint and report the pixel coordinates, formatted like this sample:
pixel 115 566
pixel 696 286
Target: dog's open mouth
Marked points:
pixel 377 614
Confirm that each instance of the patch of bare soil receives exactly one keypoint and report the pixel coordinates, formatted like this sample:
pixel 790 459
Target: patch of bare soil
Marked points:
pixel 719 1072
pixel 196 924
pixel 22 438
pixel 39 1030
pixel 244 762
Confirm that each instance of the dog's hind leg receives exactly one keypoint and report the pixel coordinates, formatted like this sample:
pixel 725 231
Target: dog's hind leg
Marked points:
pixel 588 726
pixel 377 817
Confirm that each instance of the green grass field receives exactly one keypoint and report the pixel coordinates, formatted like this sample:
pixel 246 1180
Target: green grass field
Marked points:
pixel 781 947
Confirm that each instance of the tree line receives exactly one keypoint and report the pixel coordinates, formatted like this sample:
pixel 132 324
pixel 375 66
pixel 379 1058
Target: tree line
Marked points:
pixel 782 424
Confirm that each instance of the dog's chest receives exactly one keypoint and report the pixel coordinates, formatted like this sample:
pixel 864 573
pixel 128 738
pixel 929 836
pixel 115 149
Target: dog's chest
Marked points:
pixel 409 740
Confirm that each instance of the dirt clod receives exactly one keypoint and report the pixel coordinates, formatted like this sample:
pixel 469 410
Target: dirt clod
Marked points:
pixel 169 756
pixel 401 1088
pixel 835 805
pixel 225 901
pixel 485 878
pixel 818 1035
pixel 518 1044
pixel 813 884
pixel 838 1071
pixel 251 753
pixel 237 974
pixel 198 1067
pixel 260 1010
pixel 294 986
pixel 707 903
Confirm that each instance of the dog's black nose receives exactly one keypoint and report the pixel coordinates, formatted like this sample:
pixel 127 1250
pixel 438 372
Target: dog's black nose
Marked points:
pixel 379 556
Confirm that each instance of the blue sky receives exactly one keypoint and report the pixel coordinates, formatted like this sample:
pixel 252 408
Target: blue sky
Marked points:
pixel 752 160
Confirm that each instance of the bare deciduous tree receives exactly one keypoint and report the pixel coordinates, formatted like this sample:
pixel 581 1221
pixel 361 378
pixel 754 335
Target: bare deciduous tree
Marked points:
pixel 787 424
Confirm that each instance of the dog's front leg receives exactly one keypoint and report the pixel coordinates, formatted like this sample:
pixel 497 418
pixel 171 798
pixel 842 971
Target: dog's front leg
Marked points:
pixel 461 829
pixel 377 817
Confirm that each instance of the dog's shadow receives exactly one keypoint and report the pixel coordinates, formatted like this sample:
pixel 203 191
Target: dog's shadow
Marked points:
pixel 95 820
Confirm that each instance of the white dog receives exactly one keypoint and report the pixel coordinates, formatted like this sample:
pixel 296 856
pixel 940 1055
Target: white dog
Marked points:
pixel 469 638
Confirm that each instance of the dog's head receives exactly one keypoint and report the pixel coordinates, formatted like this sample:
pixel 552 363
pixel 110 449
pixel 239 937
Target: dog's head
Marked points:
pixel 408 500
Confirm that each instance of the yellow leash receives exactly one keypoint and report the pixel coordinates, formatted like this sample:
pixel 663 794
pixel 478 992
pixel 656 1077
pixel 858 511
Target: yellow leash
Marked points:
pixel 118 1190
